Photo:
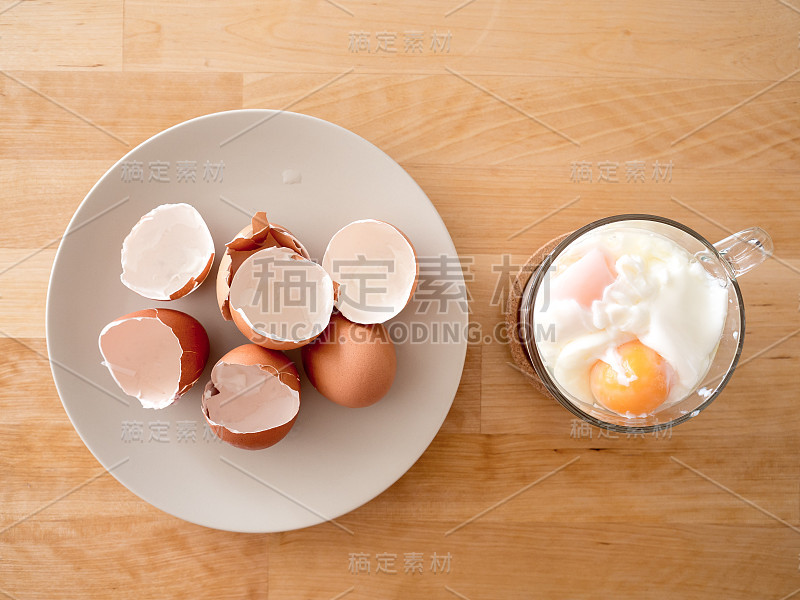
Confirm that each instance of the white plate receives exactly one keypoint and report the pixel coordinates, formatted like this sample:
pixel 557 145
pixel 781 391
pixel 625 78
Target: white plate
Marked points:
pixel 334 459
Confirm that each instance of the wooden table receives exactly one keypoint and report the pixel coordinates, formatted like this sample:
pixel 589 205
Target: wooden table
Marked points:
pixel 510 115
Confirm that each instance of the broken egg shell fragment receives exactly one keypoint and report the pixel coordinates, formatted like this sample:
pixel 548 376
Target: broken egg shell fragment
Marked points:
pixel 155 355
pixel 253 398
pixel 259 234
pixel 586 279
pixel 374 243
pixel 194 283
pixel 281 300
pixel 168 253
pixel 351 364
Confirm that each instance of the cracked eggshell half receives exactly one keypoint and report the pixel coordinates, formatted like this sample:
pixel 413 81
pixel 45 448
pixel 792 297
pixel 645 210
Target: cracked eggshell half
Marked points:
pixel 281 300
pixel 376 268
pixel 259 234
pixel 155 355
pixel 168 253
pixel 350 363
pixel 253 398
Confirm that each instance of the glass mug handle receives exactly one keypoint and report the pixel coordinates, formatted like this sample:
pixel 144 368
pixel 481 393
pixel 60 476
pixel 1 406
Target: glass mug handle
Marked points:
pixel 745 250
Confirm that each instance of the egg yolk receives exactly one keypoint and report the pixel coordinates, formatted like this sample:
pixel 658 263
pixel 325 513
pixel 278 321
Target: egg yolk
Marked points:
pixel 638 385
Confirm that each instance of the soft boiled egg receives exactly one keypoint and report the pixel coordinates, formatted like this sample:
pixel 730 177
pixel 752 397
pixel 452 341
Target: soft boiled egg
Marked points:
pixel 631 379
pixel 622 284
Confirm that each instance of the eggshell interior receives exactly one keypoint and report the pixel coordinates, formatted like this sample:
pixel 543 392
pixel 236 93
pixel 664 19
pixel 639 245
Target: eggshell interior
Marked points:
pixel 168 253
pixel 259 234
pixel 249 398
pixel 256 390
pixel 143 356
pixel 155 355
pixel 277 296
pixel 375 267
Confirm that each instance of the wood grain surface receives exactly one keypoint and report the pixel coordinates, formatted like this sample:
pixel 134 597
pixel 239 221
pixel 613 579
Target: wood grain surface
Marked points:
pixel 499 109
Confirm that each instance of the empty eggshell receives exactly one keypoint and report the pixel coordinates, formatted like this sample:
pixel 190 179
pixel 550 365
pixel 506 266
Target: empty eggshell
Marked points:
pixel 279 299
pixel 253 397
pixel 168 253
pixel 376 268
pixel 259 234
pixel 351 364
pixel 155 355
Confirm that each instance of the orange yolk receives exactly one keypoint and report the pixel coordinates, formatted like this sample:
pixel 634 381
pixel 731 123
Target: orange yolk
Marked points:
pixel 641 387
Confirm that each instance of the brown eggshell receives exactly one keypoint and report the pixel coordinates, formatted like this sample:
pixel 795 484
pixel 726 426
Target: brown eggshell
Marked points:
pixel 264 341
pixel 259 234
pixel 194 282
pixel 277 364
pixel 351 364
pixel 223 285
pixel 191 336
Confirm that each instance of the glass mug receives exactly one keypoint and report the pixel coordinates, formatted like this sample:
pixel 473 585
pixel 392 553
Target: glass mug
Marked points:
pixel 726 261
